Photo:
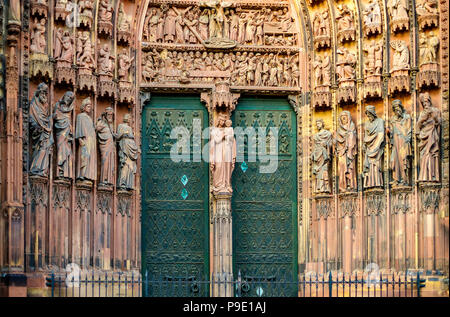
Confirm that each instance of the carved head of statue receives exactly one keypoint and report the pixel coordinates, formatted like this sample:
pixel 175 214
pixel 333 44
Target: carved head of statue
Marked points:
pixel 397 106
pixel 344 118
pixel 221 120
pixel 371 113
pixel 68 98
pixel 320 124
pixel 41 92
pixel 86 105
pixel 425 100
pixel 108 115
pixel 127 118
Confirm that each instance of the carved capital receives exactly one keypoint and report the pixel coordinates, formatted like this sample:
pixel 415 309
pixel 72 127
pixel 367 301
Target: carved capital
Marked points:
pixel 220 98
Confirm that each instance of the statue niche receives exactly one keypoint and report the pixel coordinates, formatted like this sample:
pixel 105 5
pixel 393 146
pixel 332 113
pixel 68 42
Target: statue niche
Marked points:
pixel 373 149
pixel 427 13
pixel 128 154
pixel 322 81
pixel 428 132
pixel 87 145
pixel 400 80
pixel 105 69
pixel 40 132
pixel 372 18
pixel 62 122
pixel 64 56
pixel 373 66
pixel 321 30
pixel 345 24
pixel 398 14
pixel 105 15
pixel 429 75
pixel 346 148
pixel 346 75
pixel 222 154
pixel 321 157
pixel 400 134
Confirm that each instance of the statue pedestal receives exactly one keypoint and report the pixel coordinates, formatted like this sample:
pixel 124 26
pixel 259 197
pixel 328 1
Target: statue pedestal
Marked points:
pixel 222 272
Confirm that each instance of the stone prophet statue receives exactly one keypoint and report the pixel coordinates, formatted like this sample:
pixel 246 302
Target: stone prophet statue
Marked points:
pixel 346 150
pixel 62 122
pixel 222 154
pixel 41 132
pixel 373 149
pixel 428 130
pixel 107 146
pixel 321 158
pixel 128 154
pixel 87 143
pixel 400 135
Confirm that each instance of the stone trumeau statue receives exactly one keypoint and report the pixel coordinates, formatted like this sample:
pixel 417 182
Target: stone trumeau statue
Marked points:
pixel 321 157
pixel 373 149
pixel 62 122
pixel 87 143
pixel 107 146
pixel 128 154
pixel 222 154
pixel 400 135
pixel 428 130
pixel 346 151
pixel 41 132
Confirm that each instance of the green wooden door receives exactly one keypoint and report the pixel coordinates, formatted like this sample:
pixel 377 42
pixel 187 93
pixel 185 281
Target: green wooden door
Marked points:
pixel 174 202
pixel 264 205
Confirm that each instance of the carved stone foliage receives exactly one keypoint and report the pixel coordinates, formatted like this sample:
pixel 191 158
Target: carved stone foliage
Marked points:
pixel 321 30
pixel 219 24
pixel 373 148
pixel 345 24
pixel 400 202
pixel 348 206
pixel 83 201
pixel 240 68
pixel 104 203
pixel 375 204
pixel 372 19
pixel 400 79
pixel 428 128
pixel 427 13
pixel 398 15
pixel 430 199
pixel 324 208
pixel 64 55
pixel 346 75
pixel 429 75
pixel 322 81
pixel 124 205
pixel 39 8
pixel 321 157
pixel 373 66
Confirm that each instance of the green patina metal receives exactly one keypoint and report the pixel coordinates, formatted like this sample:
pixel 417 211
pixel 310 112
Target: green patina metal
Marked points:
pixel 175 240
pixel 264 206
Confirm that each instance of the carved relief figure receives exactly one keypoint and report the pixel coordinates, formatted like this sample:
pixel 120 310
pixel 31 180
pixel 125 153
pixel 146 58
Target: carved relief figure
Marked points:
pixel 40 132
pixel 426 7
pixel 125 62
pixel 105 61
pixel 400 135
pixel 87 143
pixel 321 26
pixel 38 41
pixel 321 157
pixel 428 48
pixel 372 13
pixel 86 7
pixel 322 69
pixel 105 11
pixel 128 154
pixel 107 146
pixel 123 20
pixel 401 56
pixel 64 47
pixel 373 149
pixel 373 64
pixel 345 67
pixel 344 18
pixel 346 151
pixel 428 129
pixel 398 9
pixel 85 57
pixel 62 121
pixel 222 154
pixel 216 16
pixel 14 12
pixel 169 26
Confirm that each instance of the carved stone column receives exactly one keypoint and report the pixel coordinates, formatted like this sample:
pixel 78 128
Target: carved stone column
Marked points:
pixel 222 274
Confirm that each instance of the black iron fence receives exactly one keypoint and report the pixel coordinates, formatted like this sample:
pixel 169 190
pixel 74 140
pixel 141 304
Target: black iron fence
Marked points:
pixel 325 285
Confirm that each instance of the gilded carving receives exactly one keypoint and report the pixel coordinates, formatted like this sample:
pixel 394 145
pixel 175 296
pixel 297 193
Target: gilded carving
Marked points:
pixel 400 134
pixel 41 132
pixel 321 158
pixel 346 148
pixel 87 144
pixel 373 149
pixel 107 146
pixel 428 128
pixel 128 154
pixel 62 122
